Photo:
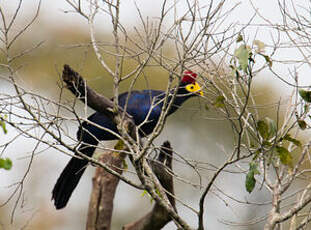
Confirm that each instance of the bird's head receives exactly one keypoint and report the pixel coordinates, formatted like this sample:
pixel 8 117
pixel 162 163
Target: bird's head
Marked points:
pixel 188 82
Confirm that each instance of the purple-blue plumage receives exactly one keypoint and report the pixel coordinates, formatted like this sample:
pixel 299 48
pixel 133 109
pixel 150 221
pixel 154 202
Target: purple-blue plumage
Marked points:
pixel 138 105
pixel 145 106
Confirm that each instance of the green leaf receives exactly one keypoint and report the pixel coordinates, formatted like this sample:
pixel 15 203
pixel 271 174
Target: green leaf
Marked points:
pixel 158 192
pixel 2 124
pixel 293 140
pixel 306 95
pixel 119 145
pixel 146 193
pixel 243 53
pixel 250 181
pixel 263 129
pixel 253 168
pixel 267 128
pixel 285 156
pixel 302 124
pixel 239 38
pixel 143 193
pixel 6 163
pixel 219 102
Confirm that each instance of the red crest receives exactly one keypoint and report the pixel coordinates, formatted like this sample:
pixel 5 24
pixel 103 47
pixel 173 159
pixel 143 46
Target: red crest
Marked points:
pixel 189 77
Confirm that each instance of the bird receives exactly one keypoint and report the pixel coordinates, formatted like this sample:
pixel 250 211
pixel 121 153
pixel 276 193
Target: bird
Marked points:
pixel 137 104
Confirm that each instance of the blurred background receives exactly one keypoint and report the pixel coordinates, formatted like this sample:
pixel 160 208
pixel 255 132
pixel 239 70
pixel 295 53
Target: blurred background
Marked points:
pixel 193 131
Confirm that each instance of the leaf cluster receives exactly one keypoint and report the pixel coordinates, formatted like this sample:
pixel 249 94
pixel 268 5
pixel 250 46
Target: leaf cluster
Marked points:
pixel 244 55
pixel 272 147
pixel 5 163
pixel 250 180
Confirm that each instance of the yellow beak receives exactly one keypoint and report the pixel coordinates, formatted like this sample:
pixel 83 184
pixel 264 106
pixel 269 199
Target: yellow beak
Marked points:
pixel 197 89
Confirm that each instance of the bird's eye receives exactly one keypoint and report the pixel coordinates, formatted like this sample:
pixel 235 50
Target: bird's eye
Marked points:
pixel 191 88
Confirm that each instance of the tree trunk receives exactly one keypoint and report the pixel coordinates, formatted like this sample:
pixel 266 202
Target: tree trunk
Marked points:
pixel 104 188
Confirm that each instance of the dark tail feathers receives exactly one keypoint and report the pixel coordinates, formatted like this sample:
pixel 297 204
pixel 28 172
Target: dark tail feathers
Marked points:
pixel 70 177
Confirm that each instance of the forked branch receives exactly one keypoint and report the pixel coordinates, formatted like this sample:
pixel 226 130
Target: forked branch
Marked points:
pixel 158 217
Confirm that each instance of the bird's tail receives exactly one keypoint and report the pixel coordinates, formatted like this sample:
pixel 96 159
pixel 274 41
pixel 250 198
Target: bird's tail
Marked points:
pixel 70 177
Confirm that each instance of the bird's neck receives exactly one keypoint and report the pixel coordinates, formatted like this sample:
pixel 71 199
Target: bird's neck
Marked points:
pixel 181 96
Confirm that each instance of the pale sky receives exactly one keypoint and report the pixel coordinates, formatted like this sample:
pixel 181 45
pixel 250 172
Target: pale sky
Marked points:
pixel 53 11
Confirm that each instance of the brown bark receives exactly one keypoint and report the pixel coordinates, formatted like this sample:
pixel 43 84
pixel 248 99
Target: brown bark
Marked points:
pixel 158 217
pixel 77 85
pixel 104 188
